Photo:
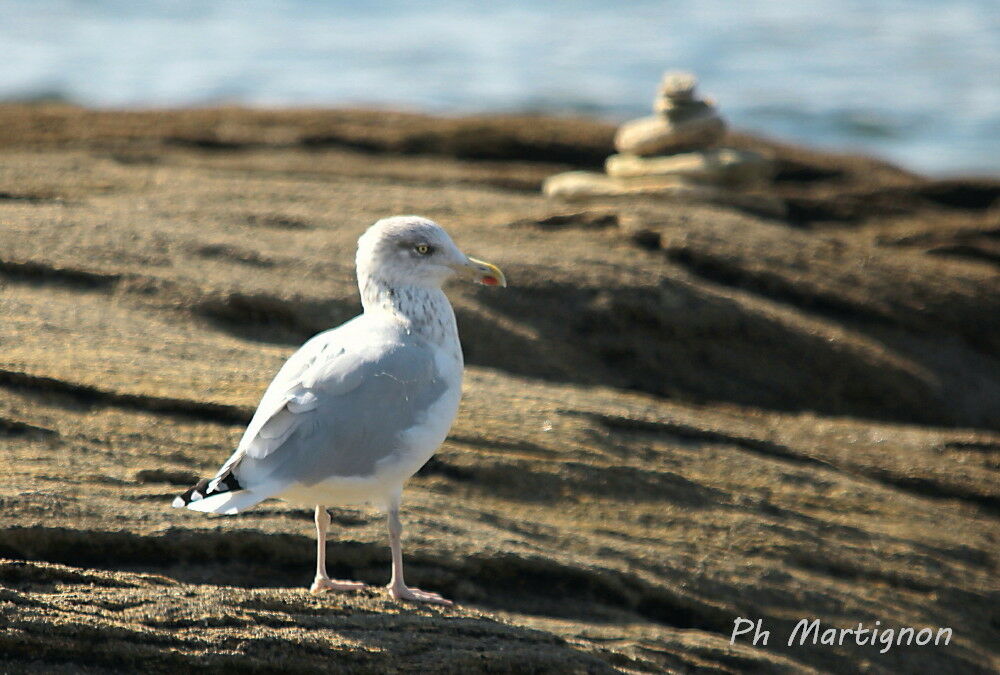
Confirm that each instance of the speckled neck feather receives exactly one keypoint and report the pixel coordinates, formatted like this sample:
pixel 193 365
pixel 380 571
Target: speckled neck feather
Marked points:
pixel 424 310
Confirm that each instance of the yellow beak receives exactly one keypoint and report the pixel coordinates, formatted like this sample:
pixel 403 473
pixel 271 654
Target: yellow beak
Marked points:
pixel 485 273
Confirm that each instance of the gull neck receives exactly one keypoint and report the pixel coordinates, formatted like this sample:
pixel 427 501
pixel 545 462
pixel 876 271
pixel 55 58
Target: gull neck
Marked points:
pixel 423 310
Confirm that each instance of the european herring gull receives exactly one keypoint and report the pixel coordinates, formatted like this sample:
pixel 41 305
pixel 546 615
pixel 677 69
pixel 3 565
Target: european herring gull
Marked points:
pixel 360 408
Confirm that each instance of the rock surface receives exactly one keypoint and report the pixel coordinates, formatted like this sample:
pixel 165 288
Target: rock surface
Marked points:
pixel 678 414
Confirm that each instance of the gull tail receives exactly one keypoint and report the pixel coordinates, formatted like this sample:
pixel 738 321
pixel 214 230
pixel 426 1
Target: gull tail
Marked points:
pixel 221 494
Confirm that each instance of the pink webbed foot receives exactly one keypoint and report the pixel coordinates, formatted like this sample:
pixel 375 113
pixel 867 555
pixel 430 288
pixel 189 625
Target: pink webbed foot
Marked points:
pixel 400 592
pixel 323 585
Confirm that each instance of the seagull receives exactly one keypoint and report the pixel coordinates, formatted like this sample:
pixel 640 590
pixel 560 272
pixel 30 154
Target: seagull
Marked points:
pixel 358 409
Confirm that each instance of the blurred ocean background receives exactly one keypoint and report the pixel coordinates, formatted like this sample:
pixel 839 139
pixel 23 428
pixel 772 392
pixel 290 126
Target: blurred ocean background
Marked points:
pixel 914 81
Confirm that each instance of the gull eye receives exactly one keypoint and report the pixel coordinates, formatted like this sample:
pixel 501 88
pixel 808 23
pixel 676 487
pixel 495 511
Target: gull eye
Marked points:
pixel 423 249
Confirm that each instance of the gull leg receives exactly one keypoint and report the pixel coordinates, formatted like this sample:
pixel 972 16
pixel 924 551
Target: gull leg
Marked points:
pixel 323 582
pixel 397 587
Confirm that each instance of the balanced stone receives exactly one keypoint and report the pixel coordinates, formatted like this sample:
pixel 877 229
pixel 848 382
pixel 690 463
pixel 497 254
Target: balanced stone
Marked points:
pixel 577 185
pixel 676 90
pixel 683 121
pixel 722 166
pixel 670 155
pixel 583 185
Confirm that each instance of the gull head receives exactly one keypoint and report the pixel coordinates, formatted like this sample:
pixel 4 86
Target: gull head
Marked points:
pixel 415 251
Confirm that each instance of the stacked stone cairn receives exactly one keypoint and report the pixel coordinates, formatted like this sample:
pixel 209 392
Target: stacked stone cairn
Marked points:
pixel 671 153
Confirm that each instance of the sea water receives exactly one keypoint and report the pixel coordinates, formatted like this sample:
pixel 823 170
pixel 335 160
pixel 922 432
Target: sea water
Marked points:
pixel 915 81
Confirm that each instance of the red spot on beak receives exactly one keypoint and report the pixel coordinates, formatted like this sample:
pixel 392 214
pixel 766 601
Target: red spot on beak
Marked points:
pixel 489 281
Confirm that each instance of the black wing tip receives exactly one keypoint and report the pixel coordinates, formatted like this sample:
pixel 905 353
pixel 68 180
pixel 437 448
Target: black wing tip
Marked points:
pixel 207 488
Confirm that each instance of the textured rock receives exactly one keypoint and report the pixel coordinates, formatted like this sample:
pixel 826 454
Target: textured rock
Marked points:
pixel 723 166
pixel 687 417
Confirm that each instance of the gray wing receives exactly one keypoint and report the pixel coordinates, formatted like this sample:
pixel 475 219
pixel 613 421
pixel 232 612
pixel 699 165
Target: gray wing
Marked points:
pixel 336 411
pixel 322 359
